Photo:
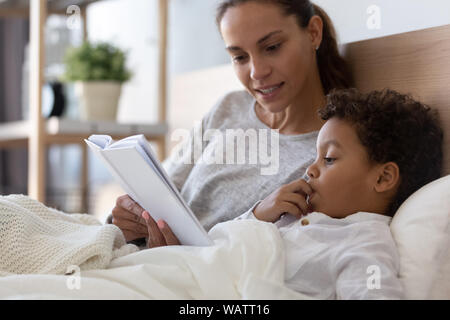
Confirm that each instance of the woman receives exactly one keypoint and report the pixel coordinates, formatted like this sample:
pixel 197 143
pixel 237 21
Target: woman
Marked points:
pixel 285 54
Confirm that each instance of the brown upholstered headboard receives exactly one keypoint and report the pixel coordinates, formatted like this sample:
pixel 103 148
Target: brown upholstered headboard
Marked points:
pixel 416 62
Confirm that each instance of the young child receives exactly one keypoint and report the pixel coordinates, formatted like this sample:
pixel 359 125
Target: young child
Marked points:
pixel 373 152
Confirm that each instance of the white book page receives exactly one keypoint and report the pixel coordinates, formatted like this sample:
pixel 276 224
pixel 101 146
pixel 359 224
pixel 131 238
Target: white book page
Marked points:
pixel 101 140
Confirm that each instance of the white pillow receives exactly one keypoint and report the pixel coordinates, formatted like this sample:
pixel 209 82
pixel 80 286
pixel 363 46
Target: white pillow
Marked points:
pixel 421 229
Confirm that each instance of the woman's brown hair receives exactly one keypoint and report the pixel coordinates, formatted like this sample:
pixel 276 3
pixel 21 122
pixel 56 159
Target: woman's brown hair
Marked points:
pixel 333 69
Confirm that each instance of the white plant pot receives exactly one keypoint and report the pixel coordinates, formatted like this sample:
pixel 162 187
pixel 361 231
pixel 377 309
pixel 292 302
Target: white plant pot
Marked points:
pixel 99 100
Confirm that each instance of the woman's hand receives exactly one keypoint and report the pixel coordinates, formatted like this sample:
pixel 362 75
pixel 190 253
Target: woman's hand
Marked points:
pixel 289 198
pixel 127 215
pixel 159 233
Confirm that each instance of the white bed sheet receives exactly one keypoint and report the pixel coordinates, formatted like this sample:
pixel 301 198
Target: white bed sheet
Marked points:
pixel 247 262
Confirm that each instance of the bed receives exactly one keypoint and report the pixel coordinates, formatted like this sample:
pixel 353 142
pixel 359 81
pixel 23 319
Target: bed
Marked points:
pixel 417 63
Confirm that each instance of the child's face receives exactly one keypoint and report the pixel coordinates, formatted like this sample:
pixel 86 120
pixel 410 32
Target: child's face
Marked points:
pixel 341 176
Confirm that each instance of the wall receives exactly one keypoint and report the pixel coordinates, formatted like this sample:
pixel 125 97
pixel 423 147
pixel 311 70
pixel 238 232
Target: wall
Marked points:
pixel 131 25
pixel 194 40
pixel 196 44
pixel 356 20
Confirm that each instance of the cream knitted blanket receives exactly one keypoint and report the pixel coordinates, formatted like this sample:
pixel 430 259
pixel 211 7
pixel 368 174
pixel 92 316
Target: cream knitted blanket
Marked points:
pixel 35 239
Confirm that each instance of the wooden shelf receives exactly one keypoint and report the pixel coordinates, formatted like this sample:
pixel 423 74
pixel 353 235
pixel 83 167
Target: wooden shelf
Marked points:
pixel 13 132
pixel 37 133
pixel 67 131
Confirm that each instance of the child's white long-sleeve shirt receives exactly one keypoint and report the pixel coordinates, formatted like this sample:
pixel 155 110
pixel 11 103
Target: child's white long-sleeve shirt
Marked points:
pixel 350 258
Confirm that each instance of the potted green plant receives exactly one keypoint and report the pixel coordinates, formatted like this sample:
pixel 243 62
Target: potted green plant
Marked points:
pixel 98 71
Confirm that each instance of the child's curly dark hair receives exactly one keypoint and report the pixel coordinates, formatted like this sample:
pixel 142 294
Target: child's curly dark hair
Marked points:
pixel 393 127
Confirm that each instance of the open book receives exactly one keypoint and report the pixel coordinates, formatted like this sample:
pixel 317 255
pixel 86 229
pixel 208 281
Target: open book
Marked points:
pixel 134 165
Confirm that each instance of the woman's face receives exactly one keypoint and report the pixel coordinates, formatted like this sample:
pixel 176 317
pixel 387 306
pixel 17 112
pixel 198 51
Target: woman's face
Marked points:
pixel 272 56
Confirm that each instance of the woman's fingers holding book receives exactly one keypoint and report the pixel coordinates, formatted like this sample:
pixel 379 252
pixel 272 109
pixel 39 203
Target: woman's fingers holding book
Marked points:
pixel 132 226
pixel 129 205
pixel 169 236
pixel 127 217
pixel 120 214
pixel 131 230
pixel 155 236
pixel 159 233
pixel 132 235
pixel 126 210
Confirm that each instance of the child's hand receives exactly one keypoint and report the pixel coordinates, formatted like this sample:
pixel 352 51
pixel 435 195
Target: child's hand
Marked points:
pixel 289 198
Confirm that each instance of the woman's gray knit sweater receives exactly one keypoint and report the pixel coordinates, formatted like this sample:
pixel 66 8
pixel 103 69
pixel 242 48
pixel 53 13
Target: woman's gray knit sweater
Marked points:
pixel 231 160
